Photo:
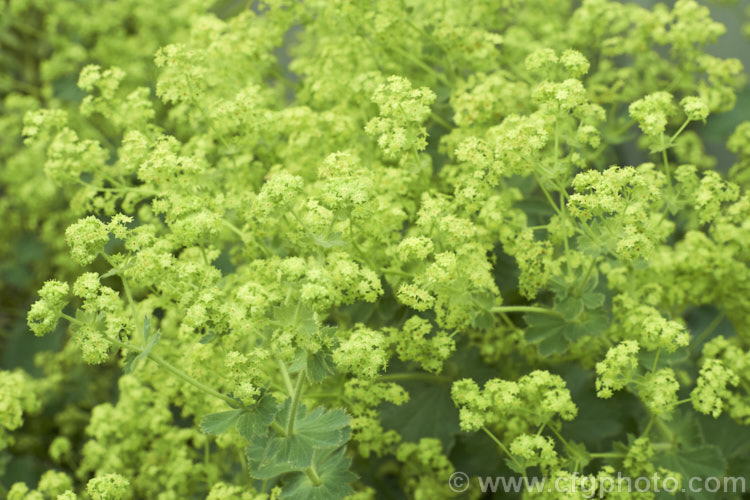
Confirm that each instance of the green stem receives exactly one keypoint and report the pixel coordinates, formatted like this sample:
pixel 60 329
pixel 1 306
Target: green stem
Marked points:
pixel 532 309
pixel 313 476
pixel 613 454
pixel 203 255
pixel 708 330
pixel 557 137
pixel 664 429
pixel 396 272
pixel 663 446
pixel 559 436
pixel 434 40
pixel 501 446
pixel 295 403
pixel 439 120
pixel 440 77
pixel 629 123
pixel 508 322
pixel 285 376
pixel 425 377
pixel 679 131
pixel 547 195
pixel 588 273
pixel 279 429
pixel 656 360
pixel 206 461
pixel 234 229
pixel 245 467
pixel 72 319
pixel 164 364
pixel 244 238
pixel 648 426
pixel 190 380
pixel 128 294
pixel 667 170
pixel 563 212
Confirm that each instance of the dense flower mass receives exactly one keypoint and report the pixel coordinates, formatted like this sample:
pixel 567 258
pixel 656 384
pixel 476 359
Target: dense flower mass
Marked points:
pixel 331 249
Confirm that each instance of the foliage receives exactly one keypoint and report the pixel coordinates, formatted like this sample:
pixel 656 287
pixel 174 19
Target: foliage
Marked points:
pixel 332 249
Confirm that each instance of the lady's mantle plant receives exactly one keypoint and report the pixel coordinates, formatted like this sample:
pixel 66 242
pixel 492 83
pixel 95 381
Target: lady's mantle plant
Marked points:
pixel 331 249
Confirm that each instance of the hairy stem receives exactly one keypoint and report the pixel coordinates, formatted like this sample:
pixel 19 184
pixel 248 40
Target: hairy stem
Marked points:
pixel 312 474
pixel 532 309
pixel 426 377
pixel 164 364
pixel 501 446
pixel 295 403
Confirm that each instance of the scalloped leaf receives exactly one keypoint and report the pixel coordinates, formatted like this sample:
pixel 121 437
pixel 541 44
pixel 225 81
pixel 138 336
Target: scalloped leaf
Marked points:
pixel 335 479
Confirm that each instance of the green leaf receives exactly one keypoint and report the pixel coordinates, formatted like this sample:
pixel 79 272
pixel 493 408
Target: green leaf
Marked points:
pixel 319 366
pixel 335 479
pixel 546 331
pixel 255 420
pixel 482 319
pixel 255 450
pixel 332 240
pixel 594 323
pixel 592 282
pixel 726 434
pixel 319 429
pixel 577 455
pixel 218 423
pixel 288 452
pixel 475 454
pixel 268 459
pixel 593 300
pixel 646 358
pixel 559 286
pixel 430 412
pixel 210 337
pixel 149 341
pixel 130 365
pixel 135 362
pixel 265 463
pixel 297 317
pixel 553 334
pixel 701 461
pixel 517 465
pixel 600 241
pixel 146 328
pixel 251 422
pixel 590 246
pixel 597 420
pixel 117 270
pixel 556 344
pixel 306 323
pixel 570 308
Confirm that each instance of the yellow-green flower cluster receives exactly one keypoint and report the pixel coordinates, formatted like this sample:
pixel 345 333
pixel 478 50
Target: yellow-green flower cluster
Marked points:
pixel 403 108
pixel 302 228
pixel 46 311
pixel 617 368
pixel 537 398
pixel 712 388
